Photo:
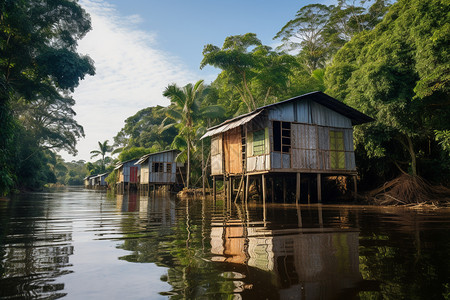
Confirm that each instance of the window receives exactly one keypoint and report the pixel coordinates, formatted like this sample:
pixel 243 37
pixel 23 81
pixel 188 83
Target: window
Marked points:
pixel 168 168
pixel 337 150
pixel 281 136
pixel 157 167
pixel 258 142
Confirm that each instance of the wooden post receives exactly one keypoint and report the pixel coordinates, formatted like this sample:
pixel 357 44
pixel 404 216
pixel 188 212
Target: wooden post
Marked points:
pixel 299 215
pixel 247 187
pixel 355 187
pixel 319 188
pixel 263 179
pixel 214 188
pixel 319 211
pixel 297 189
pixel 284 189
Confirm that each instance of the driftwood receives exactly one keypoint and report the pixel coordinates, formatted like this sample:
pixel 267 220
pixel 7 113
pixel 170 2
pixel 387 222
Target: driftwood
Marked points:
pixel 410 191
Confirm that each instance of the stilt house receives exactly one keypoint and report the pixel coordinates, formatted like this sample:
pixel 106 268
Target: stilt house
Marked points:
pixel 87 181
pixel 312 133
pixel 128 175
pixel 99 180
pixel 159 169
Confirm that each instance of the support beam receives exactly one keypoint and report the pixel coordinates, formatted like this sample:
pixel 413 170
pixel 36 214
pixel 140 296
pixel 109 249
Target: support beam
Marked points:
pixel 319 188
pixel 284 189
pixel 214 188
pixel 297 189
pixel 263 179
pixel 247 187
pixel 355 188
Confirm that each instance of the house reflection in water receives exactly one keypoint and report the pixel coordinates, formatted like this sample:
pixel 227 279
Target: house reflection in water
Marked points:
pixel 313 263
pixel 157 210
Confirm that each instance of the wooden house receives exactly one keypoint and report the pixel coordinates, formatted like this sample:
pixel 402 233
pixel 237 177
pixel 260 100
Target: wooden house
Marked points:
pixel 128 175
pixel 159 169
pixel 100 180
pixel 309 134
pixel 87 182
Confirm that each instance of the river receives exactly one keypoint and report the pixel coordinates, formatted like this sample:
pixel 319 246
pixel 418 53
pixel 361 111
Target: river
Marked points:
pixel 83 244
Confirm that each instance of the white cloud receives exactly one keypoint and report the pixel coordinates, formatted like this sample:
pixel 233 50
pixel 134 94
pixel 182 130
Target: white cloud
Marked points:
pixel 131 74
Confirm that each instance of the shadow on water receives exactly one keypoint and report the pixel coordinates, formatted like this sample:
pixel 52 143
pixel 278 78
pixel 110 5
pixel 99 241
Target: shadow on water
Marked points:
pixel 217 249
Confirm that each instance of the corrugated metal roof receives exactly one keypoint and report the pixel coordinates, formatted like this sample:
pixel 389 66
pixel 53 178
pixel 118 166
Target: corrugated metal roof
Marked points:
pixel 230 124
pixel 146 156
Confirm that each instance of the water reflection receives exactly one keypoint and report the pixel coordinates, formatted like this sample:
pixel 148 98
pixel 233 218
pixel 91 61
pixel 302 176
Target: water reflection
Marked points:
pixel 85 245
pixel 302 263
pixel 34 249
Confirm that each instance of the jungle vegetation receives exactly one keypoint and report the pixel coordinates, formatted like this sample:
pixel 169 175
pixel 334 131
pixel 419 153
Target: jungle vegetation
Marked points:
pixel 389 60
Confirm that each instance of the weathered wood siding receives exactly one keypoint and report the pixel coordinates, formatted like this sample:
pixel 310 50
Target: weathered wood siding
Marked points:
pixel 311 147
pixel 216 155
pixel 167 168
pixel 310 137
pixel 308 112
pixel 258 162
pixel 144 173
pixel 126 174
pixel 233 150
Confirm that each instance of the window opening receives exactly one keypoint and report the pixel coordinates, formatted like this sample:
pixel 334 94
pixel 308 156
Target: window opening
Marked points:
pixel 281 136
pixel 168 168
pixel 157 167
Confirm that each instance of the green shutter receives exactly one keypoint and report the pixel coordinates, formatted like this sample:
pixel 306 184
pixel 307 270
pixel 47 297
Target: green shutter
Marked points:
pixel 258 142
pixel 337 153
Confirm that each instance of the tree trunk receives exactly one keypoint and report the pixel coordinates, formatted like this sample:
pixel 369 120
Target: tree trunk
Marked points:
pixel 413 156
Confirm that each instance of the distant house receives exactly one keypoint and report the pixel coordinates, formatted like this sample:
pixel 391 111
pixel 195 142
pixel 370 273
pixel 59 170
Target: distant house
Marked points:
pixel 159 169
pixel 308 134
pixel 87 181
pixel 99 180
pixel 128 175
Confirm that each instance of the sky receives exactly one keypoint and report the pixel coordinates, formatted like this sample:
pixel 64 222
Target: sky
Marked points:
pixel 141 46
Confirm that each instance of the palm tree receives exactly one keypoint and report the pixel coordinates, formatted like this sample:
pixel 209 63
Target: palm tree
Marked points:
pixel 186 111
pixel 103 149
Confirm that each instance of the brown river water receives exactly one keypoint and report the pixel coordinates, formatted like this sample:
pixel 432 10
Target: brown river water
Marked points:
pixel 82 244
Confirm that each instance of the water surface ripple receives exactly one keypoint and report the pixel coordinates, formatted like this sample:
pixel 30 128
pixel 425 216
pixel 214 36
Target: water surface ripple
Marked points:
pixel 82 244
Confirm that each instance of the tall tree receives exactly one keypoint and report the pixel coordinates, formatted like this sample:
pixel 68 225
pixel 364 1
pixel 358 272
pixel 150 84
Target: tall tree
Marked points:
pixel 318 31
pixel 253 70
pixel 186 111
pixel 103 149
pixel 399 73
pixel 38 59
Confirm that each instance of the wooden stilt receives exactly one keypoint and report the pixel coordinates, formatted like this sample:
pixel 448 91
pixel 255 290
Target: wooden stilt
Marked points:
pixel 214 188
pixel 263 183
pixel 284 189
pixel 319 188
pixel 247 186
pixel 297 189
pixel 319 211
pixel 355 188
pixel 299 215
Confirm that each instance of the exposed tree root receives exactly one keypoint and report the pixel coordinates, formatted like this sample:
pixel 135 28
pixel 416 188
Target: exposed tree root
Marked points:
pixel 411 191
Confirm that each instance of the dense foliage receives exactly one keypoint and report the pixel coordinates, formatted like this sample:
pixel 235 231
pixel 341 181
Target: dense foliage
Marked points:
pixel 398 73
pixel 39 67
pixel 390 61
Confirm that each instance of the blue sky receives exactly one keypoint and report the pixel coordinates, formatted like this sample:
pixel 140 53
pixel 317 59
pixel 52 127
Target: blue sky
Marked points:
pixel 141 46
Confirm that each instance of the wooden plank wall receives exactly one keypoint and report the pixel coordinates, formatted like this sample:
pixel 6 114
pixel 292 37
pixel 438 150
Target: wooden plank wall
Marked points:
pixel 233 151
pixel 216 155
